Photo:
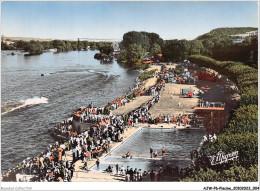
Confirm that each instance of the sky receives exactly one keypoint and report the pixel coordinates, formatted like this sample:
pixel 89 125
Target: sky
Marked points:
pixel 110 20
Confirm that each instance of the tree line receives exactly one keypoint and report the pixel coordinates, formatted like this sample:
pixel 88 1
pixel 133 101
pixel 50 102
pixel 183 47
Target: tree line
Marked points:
pixel 38 47
pixel 216 44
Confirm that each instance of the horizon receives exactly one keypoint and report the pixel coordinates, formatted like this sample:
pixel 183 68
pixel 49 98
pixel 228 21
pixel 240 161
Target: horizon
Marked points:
pixel 111 20
pixel 97 39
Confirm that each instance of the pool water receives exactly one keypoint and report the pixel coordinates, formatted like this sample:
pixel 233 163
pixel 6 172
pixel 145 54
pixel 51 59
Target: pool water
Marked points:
pixel 177 142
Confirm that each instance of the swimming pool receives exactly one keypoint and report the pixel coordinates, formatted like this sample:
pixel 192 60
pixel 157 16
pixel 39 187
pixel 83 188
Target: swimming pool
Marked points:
pixel 177 142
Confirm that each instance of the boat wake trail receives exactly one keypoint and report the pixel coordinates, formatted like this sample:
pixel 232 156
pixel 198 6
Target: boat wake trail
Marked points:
pixel 9 106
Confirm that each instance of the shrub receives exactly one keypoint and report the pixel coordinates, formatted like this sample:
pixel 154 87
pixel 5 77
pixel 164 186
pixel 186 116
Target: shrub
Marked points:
pixel 234 174
pixel 145 75
pixel 106 110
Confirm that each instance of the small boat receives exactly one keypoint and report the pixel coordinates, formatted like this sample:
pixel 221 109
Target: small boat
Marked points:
pixel 12 53
pixel 42 74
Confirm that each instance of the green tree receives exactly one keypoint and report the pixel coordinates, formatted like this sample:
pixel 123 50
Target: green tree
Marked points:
pixel 104 48
pixel 131 55
pixel 196 47
pixel 155 49
pixel 59 45
pixel 34 47
pixel 136 38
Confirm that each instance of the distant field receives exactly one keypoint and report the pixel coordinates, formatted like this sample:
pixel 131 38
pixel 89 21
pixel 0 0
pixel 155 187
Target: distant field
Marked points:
pixel 23 38
pixel 11 39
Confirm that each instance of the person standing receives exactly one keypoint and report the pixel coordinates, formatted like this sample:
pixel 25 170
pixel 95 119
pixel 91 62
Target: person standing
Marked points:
pixel 131 173
pixel 116 168
pixel 97 163
pixel 151 152
pixel 179 104
pixel 155 154
pixel 71 170
pixel 152 174
pixel 163 151
pixel 159 176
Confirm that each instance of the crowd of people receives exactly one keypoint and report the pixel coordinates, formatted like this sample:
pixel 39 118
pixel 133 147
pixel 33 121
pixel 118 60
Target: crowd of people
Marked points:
pixel 167 173
pixel 48 166
pixel 52 165
pixel 177 75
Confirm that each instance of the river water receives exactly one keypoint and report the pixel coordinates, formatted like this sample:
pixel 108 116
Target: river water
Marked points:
pixel 71 80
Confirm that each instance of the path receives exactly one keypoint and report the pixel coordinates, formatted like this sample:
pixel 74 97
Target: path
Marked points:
pixel 128 107
pixel 169 101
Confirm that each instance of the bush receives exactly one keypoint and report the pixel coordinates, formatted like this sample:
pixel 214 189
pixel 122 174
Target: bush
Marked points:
pixel 145 75
pixel 244 119
pixel 246 144
pixel 234 174
pixel 106 110
pixel 131 96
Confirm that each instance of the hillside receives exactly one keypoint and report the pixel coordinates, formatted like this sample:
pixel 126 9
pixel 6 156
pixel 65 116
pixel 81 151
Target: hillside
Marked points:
pixel 5 38
pixel 225 32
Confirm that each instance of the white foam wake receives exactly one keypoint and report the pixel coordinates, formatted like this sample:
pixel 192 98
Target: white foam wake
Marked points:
pixel 28 102
pixel 35 101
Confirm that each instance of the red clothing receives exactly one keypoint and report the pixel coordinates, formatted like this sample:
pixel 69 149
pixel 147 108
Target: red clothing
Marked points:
pixel 51 158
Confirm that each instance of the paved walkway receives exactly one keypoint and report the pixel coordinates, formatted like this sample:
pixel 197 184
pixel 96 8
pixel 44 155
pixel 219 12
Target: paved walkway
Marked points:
pixel 128 107
pixel 170 99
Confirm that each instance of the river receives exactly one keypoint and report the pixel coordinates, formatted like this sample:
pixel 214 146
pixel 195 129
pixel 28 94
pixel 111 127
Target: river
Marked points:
pixel 71 80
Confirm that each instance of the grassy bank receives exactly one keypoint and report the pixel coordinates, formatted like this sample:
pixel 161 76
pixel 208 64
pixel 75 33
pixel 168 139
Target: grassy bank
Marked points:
pixel 145 75
pixel 240 133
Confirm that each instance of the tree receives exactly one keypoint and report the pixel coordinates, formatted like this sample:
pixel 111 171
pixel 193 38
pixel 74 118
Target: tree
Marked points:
pixel 85 44
pixel 34 47
pixel 21 45
pixel 129 56
pixel 155 49
pixel 140 38
pixel 104 48
pixel 196 47
pixel 5 46
pixel 46 45
pixel 59 45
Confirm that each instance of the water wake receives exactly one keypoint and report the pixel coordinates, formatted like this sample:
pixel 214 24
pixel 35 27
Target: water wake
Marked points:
pixel 10 106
